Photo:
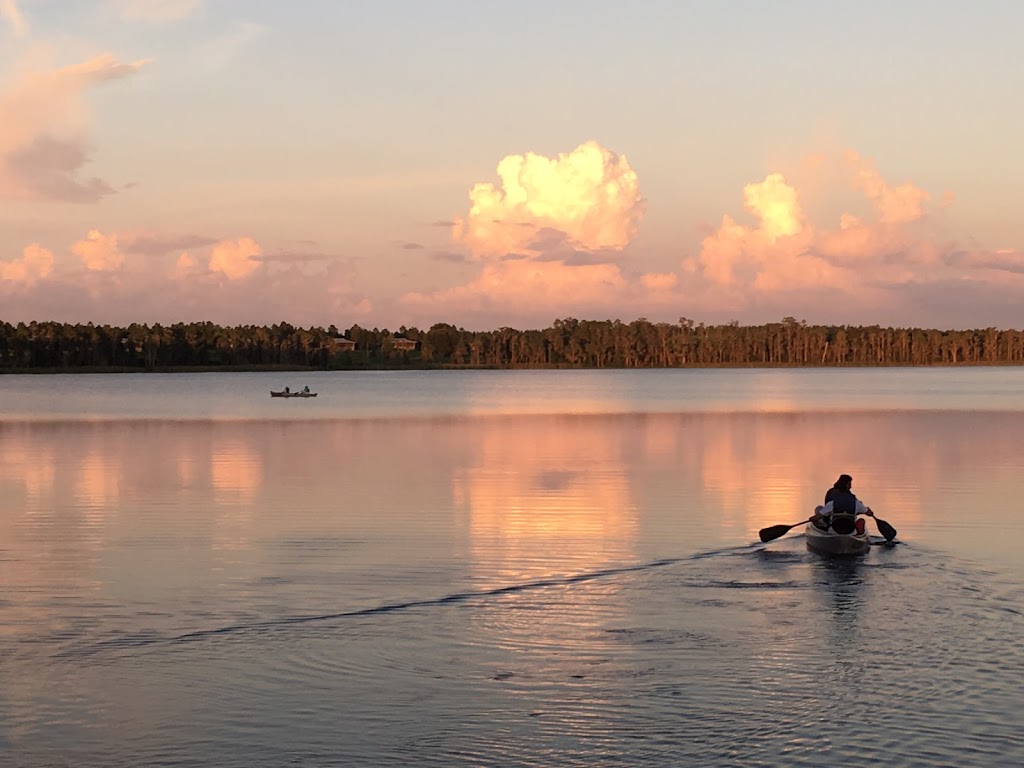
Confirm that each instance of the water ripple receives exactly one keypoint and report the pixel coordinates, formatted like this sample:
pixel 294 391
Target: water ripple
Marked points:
pixel 139 640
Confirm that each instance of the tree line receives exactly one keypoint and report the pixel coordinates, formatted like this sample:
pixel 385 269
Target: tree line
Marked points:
pixel 568 343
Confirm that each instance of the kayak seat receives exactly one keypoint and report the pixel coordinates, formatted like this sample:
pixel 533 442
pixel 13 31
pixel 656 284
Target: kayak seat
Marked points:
pixel 843 524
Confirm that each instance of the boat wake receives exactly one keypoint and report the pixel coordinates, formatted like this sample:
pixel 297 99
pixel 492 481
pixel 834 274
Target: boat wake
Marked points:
pixel 135 641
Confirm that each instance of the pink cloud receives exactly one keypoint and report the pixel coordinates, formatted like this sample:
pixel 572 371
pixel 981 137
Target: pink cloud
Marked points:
pixel 780 259
pixel 783 252
pixel 772 255
pixel 865 269
pixel 99 252
pixel 590 194
pixel 186 289
pixel 43 122
pixel 35 263
pixel 548 236
pixel 895 205
pixel 236 259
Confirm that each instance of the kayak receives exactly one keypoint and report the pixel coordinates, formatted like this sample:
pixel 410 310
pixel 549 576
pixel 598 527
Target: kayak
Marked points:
pixel 832 543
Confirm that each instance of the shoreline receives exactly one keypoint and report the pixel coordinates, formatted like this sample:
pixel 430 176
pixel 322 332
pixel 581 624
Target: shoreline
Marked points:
pixel 451 367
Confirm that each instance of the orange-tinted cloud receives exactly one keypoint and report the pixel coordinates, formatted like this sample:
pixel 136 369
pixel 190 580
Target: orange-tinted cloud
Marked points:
pixel 549 235
pixel 43 122
pixel 776 205
pixel 784 252
pixel 236 258
pixel 895 205
pixel 229 283
pixel 771 255
pixel 99 252
pixel 591 195
pixel 35 263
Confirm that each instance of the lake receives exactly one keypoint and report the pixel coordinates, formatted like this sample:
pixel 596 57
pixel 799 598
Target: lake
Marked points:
pixel 523 568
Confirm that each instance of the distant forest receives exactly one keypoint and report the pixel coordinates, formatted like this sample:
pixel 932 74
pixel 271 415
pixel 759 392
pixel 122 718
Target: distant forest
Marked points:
pixel 568 343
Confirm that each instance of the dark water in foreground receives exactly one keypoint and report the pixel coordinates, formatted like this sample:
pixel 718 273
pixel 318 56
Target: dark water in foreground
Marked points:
pixel 545 590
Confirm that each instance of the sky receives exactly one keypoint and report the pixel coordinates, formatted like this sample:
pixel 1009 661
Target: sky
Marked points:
pixel 496 164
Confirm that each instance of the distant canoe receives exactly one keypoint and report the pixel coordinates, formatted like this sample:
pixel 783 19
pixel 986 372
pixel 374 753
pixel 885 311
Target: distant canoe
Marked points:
pixel 292 394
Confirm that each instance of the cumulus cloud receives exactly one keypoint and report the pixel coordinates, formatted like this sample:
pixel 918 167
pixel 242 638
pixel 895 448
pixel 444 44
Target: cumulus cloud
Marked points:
pixel 549 235
pixel 236 258
pixel 242 258
pixel 858 267
pixel 9 11
pixel 772 254
pixel 783 252
pixel 35 263
pixel 776 205
pixel 99 252
pixel 590 194
pixel 35 288
pixel 43 121
pixel 895 205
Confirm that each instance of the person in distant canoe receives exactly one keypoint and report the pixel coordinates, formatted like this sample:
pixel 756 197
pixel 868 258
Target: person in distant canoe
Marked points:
pixel 305 389
pixel 842 510
pixel 286 390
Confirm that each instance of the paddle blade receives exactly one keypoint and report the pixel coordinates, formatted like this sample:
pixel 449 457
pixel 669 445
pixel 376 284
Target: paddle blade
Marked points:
pixel 886 530
pixel 774 531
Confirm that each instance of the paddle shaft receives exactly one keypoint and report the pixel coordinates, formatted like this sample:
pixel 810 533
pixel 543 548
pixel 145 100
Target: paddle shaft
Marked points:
pixel 775 531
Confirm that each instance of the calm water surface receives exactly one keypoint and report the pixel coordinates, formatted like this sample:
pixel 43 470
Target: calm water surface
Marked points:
pixel 553 568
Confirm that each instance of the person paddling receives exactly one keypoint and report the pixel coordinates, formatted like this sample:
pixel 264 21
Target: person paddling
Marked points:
pixel 841 509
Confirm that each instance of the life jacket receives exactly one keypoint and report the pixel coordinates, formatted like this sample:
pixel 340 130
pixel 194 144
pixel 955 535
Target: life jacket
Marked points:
pixel 844 511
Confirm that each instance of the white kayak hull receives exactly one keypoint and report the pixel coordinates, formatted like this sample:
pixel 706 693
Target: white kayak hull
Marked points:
pixel 831 543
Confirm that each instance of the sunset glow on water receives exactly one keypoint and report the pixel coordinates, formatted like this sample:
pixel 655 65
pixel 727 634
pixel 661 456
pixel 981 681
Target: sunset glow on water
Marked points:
pixel 500 588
